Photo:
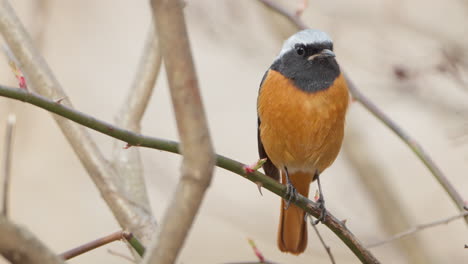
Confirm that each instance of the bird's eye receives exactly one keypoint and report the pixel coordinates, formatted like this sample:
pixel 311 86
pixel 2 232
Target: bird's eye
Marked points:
pixel 300 50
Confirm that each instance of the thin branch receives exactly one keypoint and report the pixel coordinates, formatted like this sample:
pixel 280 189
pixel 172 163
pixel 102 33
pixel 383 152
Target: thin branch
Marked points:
pixel 135 139
pixel 292 17
pixel 69 254
pixel 20 246
pixel 41 79
pixel 134 106
pixel 258 253
pixel 116 236
pixel 198 156
pixel 127 162
pixel 387 202
pixel 327 248
pixel 417 229
pixel 6 165
pixel 411 143
pixel 358 96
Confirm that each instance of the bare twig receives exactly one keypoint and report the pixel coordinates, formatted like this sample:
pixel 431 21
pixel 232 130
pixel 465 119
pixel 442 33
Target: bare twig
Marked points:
pixel 327 248
pixel 292 17
pixel 20 246
pixel 127 162
pixel 417 229
pixel 41 79
pixel 387 203
pixel 138 96
pixel 197 150
pixel 92 245
pixel 6 165
pixel 256 251
pixel 358 96
pixel 411 143
pixel 302 7
pixel 134 139
pixel 119 235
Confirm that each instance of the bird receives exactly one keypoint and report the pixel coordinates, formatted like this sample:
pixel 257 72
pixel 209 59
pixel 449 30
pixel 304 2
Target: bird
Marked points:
pixel 301 106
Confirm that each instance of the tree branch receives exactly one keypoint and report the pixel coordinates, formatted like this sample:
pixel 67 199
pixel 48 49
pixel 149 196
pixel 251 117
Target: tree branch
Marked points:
pixel 417 229
pixel 134 106
pixel 411 143
pixel 127 162
pixel 327 248
pixel 196 147
pixel 387 202
pixel 292 17
pixel 41 79
pixel 358 96
pixel 20 246
pixel 6 165
pixel 135 139
pixel 119 235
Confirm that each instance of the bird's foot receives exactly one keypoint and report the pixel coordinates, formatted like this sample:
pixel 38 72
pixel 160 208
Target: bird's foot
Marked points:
pixel 291 194
pixel 323 212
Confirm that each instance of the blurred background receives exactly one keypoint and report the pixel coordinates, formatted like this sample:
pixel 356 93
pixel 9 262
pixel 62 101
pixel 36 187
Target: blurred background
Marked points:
pixel 409 57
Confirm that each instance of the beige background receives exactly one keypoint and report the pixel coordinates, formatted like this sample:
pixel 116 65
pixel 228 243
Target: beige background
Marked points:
pixel 93 47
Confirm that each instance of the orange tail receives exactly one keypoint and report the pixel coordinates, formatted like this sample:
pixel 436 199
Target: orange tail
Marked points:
pixel 292 230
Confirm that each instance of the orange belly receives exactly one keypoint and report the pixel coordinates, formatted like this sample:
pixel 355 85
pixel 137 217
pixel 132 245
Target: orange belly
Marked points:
pixel 300 130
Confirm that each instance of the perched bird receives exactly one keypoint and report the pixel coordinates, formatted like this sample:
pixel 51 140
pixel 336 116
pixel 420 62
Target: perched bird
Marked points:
pixel 301 107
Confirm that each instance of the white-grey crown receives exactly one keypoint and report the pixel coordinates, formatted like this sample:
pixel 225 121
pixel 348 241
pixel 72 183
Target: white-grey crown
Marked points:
pixel 307 36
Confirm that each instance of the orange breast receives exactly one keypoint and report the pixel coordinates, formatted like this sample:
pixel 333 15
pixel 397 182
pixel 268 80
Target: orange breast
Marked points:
pixel 301 130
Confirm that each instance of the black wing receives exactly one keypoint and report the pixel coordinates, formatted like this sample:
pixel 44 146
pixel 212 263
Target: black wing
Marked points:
pixel 268 167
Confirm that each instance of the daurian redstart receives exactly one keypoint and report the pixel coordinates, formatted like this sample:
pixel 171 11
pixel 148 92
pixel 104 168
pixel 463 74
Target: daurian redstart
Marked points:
pixel 301 108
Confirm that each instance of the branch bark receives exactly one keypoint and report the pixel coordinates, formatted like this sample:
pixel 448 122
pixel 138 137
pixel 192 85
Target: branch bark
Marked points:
pixel 6 164
pixel 359 97
pixel 197 150
pixel 41 79
pixel 20 246
pixel 127 162
pixel 388 204
pixel 412 144
pixel 135 139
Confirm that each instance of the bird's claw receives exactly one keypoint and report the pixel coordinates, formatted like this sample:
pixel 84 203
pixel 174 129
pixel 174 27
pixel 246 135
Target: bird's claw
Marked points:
pixel 291 194
pixel 323 212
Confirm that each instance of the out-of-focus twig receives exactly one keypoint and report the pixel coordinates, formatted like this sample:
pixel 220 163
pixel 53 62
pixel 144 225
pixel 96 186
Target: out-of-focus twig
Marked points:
pixel 139 94
pixel 388 203
pixel 41 79
pixel 417 229
pixel 412 144
pixel 291 16
pixel 327 248
pixel 371 107
pixel 256 251
pixel 19 246
pixel 135 139
pixel 196 147
pixel 127 162
pixel 6 164
pixel 119 235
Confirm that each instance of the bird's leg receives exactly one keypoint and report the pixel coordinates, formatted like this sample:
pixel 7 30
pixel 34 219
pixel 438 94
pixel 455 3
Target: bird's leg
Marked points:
pixel 320 201
pixel 291 191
